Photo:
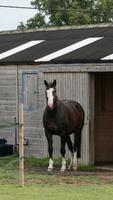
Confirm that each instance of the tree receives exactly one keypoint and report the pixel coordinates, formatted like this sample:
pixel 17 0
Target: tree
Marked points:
pixel 21 27
pixel 71 12
pixel 36 22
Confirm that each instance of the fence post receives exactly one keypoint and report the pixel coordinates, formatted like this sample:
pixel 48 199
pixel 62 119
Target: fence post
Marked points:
pixel 21 145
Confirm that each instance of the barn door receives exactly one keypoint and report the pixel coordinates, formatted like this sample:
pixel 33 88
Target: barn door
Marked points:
pixel 104 117
pixel 30 91
pixel 30 101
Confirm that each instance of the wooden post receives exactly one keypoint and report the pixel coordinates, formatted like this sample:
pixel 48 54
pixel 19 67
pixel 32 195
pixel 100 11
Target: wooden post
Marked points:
pixel 21 145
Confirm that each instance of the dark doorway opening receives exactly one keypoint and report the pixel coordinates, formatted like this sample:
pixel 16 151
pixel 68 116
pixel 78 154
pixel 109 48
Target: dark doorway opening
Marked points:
pixel 104 117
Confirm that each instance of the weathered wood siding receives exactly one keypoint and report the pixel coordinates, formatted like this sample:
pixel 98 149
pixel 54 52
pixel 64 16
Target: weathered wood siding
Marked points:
pixel 21 84
pixel 24 84
pixel 75 86
pixel 29 96
pixel 7 102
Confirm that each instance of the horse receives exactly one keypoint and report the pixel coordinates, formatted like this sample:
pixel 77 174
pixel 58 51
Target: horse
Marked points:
pixel 62 118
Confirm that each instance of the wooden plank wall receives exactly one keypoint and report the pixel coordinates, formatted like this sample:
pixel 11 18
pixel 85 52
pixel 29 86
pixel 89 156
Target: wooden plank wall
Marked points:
pixel 70 85
pixel 7 101
pixel 11 94
pixel 32 117
pixel 75 86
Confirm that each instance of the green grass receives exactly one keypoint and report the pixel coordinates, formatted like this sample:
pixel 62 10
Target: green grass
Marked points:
pixel 56 192
pixel 39 184
pixel 12 161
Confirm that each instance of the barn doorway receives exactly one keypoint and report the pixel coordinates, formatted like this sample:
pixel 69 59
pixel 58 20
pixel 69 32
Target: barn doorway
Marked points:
pixel 104 117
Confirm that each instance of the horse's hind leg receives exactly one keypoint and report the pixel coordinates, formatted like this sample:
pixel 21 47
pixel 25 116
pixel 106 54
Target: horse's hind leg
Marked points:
pixel 79 145
pixel 77 149
pixel 70 146
pixel 50 150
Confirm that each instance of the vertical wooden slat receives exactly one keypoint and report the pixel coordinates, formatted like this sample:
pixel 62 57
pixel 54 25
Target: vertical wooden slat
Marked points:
pixel 8 101
pixel 21 146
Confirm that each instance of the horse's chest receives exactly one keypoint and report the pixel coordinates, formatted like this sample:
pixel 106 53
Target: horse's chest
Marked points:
pixel 53 126
pixel 53 122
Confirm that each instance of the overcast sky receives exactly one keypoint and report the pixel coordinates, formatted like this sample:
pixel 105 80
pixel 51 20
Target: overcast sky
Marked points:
pixel 10 18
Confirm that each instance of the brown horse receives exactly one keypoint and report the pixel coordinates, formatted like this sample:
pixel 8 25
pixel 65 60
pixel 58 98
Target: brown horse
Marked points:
pixel 62 117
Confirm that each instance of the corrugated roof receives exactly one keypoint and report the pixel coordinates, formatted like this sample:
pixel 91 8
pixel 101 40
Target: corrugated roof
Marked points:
pixel 58 46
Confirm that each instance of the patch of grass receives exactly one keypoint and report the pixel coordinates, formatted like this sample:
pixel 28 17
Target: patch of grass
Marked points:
pixel 13 160
pixel 9 161
pixel 36 173
pixel 33 161
pixel 84 167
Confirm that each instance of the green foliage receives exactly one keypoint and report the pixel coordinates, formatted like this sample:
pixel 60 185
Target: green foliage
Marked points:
pixel 36 22
pixel 70 12
pixel 21 27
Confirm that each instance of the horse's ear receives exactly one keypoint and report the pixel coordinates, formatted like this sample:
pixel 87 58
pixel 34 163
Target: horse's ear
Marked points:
pixel 46 83
pixel 54 83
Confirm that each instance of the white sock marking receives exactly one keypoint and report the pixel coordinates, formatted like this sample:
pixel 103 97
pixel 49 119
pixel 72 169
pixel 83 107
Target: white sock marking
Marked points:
pixel 71 160
pixel 50 97
pixel 50 167
pixel 63 168
pixel 75 163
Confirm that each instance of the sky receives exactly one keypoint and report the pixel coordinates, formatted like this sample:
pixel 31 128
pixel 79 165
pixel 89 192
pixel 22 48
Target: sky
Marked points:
pixel 10 18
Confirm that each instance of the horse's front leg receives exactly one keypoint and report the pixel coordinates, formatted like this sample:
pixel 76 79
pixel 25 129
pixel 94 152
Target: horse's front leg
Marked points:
pixel 70 146
pixel 62 150
pixel 50 150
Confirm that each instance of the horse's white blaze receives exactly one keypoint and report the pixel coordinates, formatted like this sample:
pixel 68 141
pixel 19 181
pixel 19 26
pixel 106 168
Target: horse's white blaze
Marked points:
pixel 50 97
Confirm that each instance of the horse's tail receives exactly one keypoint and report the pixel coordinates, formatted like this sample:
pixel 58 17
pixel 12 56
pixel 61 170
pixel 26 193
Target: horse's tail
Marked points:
pixel 77 138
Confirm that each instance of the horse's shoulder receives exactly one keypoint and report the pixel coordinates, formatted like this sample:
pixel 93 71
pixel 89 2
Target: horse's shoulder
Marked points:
pixel 67 102
pixel 71 105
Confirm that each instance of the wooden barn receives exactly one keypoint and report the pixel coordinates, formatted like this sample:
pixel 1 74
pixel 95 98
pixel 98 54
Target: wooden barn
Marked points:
pixel 81 61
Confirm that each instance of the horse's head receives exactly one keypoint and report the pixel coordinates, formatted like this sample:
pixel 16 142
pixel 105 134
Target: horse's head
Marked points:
pixel 50 93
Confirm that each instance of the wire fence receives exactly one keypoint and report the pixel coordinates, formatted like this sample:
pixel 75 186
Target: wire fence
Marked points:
pixel 9 125
pixel 20 158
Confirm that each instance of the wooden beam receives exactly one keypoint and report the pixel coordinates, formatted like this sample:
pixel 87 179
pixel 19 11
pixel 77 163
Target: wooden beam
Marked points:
pixel 21 146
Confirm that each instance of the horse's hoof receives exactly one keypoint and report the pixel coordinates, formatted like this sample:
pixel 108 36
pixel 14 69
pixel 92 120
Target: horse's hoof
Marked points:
pixel 75 168
pixel 50 169
pixel 62 170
